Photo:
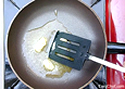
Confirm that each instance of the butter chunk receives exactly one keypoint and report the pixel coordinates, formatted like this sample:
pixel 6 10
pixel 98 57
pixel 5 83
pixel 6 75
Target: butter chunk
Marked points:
pixel 48 65
pixel 39 46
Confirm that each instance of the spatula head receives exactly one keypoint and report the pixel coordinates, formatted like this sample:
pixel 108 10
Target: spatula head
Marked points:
pixel 69 50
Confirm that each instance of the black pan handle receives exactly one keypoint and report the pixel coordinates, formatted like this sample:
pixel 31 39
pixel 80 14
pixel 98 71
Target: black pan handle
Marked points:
pixel 116 48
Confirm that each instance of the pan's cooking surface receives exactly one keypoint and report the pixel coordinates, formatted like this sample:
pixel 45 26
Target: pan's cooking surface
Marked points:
pixel 77 18
pixel 37 59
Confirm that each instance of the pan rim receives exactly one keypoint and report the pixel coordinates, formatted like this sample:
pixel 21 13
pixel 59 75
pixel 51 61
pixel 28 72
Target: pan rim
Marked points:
pixel 94 13
pixel 6 43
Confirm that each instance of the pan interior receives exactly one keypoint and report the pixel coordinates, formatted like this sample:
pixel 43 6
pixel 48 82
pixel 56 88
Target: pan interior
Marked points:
pixel 77 18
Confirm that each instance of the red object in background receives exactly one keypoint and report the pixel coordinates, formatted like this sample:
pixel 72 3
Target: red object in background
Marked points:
pixel 115 30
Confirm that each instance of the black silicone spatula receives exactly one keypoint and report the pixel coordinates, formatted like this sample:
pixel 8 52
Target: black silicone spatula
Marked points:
pixel 73 51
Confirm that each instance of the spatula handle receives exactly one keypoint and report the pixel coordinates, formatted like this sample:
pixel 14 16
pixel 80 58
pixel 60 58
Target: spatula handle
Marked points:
pixel 106 63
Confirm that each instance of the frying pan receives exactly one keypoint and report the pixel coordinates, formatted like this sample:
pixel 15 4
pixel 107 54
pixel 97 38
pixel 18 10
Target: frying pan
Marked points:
pixel 78 18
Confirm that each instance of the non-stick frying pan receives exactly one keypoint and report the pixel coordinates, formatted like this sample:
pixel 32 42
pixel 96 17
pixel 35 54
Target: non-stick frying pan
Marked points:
pixel 77 18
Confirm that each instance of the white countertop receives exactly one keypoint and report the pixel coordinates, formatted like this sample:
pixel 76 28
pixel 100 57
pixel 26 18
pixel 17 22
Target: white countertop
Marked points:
pixel 1 45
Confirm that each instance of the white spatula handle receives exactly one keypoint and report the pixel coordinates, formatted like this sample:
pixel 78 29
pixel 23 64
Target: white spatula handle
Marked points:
pixel 106 63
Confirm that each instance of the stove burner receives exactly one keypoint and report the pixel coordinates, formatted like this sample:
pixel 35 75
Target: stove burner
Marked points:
pixel 93 4
pixel 97 1
pixel 15 4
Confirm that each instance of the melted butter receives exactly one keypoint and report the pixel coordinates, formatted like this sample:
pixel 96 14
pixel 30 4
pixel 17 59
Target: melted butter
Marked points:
pixel 60 70
pixel 34 59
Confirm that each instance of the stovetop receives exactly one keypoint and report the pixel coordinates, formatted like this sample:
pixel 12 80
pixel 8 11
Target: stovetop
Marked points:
pixel 11 7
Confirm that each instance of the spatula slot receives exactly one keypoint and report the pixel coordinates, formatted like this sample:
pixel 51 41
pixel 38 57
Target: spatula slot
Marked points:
pixel 69 41
pixel 67 49
pixel 64 56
